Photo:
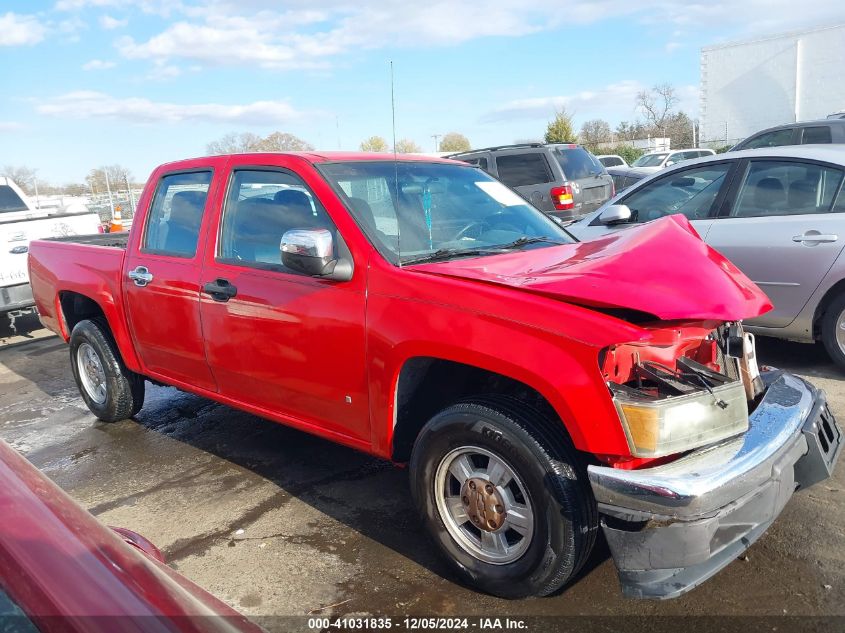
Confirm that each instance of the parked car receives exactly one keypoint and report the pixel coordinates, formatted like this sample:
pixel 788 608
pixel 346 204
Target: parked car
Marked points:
pixel 821 132
pixel 62 570
pixel 776 213
pixel 564 180
pixel 612 160
pixel 20 222
pixel 624 177
pixel 417 309
pixel 655 161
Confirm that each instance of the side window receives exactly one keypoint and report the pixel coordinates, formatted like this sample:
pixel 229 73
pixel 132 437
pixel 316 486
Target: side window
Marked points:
pixel 786 188
pixel 771 139
pixel 261 207
pixel 478 162
pixel 816 134
pixel 691 192
pixel 518 170
pixel 173 224
pixel 675 158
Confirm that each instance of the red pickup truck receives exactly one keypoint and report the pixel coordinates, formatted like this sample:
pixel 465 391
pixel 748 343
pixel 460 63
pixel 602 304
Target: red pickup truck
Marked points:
pixel 417 309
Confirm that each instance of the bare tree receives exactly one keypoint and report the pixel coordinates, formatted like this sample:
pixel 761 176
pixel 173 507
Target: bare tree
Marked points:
pixel 24 177
pixel 118 176
pixel 374 144
pixel 282 142
pixel 656 105
pixel 234 143
pixel 594 132
pixel 407 146
pixel 455 142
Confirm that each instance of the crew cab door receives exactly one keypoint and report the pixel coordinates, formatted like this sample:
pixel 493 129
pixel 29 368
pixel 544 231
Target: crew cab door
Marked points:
pixel 276 339
pixel 162 279
pixel 780 226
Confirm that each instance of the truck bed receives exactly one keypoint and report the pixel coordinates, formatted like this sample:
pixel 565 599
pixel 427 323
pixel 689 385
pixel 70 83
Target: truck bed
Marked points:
pixel 112 240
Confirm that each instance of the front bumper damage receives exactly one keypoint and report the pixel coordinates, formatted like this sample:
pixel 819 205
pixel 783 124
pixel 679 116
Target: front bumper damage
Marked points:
pixel 673 526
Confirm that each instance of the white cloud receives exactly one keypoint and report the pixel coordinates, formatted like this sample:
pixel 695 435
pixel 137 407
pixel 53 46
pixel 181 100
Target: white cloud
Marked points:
pixel 98 64
pixel 20 30
pixel 617 96
pixel 85 104
pixel 10 126
pixel 109 23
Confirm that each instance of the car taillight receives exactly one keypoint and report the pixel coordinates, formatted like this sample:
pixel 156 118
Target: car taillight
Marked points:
pixel 562 197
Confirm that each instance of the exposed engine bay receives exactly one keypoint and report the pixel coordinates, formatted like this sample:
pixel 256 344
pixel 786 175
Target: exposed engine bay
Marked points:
pixel 688 386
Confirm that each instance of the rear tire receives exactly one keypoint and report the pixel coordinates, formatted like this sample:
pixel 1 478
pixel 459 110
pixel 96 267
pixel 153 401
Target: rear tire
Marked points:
pixel 532 556
pixel 833 332
pixel 110 390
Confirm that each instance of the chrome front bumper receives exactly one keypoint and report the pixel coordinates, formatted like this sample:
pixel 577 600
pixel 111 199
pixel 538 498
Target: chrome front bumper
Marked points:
pixel 673 526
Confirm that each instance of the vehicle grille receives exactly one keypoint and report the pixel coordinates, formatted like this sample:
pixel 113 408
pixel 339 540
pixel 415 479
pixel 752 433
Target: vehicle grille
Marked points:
pixel 828 433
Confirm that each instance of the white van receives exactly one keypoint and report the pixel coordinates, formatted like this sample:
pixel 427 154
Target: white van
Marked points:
pixel 20 223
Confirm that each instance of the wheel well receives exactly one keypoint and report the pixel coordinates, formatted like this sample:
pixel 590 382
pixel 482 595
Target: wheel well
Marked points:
pixel 427 385
pixel 835 290
pixel 77 307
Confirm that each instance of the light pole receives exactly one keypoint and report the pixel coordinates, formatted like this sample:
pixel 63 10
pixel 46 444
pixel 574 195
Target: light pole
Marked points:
pixel 436 144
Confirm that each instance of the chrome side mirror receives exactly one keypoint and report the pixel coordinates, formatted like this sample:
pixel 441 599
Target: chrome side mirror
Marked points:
pixel 311 252
pixel 615 213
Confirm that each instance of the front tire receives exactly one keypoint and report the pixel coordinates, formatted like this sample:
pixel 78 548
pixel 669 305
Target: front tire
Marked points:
pixel 110 390
pixel 502 493
pixel 833 331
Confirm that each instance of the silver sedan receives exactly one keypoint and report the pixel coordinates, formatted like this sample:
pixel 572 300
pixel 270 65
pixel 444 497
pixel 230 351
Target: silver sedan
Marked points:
pixel 777 213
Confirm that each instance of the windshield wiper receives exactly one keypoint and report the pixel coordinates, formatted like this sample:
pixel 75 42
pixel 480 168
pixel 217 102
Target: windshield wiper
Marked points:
pixel 522 241
pixel 447 253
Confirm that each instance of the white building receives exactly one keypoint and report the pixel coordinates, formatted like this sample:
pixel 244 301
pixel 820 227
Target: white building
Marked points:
pixel 754 84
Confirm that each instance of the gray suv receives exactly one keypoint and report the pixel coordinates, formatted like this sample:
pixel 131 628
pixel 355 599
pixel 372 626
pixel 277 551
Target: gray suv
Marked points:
pixel 564 180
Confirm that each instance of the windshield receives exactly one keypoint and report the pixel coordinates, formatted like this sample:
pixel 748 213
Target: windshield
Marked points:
pixel 10 201
pixel 650 160
pixel 412 210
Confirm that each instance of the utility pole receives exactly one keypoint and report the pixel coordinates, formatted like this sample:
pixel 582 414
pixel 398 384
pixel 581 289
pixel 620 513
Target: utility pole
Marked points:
pixel 131 195
pixel 35 184
pixel 436 144
pixel 108 188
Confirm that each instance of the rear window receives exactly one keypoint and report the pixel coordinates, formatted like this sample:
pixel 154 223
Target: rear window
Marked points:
pixel 577 163
pixel 10 200
pixel 518 170
pixel 816 134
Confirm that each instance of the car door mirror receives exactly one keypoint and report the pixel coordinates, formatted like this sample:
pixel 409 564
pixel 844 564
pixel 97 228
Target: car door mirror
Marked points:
pixel 615 214
pixel 311 252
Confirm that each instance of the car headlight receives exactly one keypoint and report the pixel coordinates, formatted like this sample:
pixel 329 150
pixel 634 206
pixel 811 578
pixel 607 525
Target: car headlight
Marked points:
pixel 675 424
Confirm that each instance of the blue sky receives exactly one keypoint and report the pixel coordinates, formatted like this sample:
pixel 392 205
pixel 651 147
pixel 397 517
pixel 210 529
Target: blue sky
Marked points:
pixel 139 82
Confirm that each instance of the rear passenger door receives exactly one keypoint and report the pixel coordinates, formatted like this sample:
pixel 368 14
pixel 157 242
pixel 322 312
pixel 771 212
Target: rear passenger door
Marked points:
pixel 161 291
pixel 287 343
pixel 530 174
pixel 782 226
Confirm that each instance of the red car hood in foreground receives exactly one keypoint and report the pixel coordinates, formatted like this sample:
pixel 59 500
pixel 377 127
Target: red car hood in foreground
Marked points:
pixel 71 574
pixel 661 268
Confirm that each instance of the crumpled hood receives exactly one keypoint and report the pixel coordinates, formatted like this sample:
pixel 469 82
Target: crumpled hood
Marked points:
pixel 661 268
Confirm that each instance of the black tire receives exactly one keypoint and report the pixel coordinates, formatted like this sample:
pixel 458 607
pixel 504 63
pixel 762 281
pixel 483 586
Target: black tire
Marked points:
pixel 540 454
pixel 124 389
pixel 828 330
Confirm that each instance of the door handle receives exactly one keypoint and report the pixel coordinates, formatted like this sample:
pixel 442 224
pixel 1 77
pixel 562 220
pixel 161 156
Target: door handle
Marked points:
pixel 141 276
pixel 220 290
pixel 815 238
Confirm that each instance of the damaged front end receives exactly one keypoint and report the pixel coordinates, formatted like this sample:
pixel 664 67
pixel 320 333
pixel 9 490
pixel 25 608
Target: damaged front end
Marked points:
pixel 718 449
pixel 685 388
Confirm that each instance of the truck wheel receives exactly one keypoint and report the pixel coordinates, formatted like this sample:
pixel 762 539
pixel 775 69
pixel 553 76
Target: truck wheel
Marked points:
pixel 110 390
pixel 502 493
pixel 833 331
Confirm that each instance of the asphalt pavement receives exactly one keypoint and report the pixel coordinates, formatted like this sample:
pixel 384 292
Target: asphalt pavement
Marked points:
pixel 277 522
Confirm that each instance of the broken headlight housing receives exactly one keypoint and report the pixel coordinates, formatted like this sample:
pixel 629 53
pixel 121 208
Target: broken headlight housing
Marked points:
pixel 671 411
